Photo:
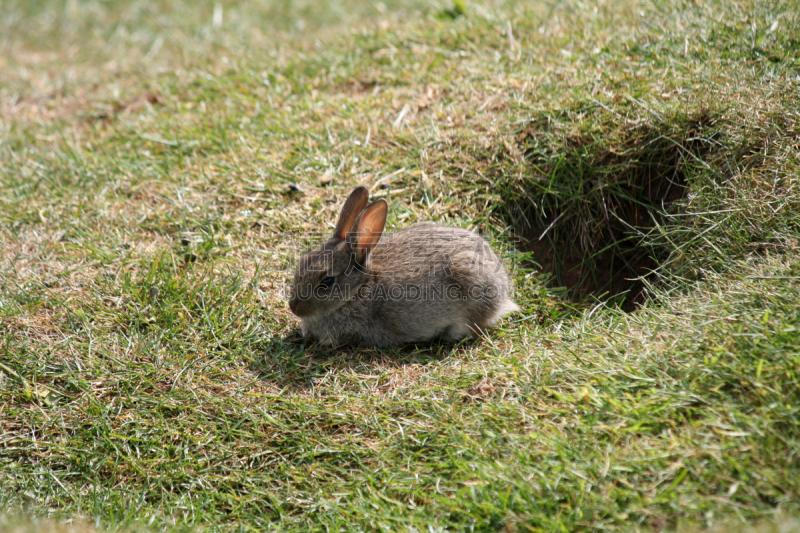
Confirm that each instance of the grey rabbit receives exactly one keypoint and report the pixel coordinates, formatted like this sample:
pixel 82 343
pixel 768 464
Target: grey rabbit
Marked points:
pixel 419 284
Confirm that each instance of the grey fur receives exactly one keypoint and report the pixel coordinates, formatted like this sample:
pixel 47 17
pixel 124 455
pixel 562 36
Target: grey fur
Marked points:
pixel 418 284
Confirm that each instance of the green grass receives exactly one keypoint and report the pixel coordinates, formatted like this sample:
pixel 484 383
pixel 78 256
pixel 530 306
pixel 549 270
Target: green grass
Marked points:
pixel 153 378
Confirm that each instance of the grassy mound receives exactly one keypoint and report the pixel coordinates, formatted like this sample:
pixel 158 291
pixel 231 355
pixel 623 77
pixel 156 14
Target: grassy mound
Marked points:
pixel 162 164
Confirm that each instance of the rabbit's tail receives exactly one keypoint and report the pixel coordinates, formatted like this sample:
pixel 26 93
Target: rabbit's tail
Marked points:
pixel 506 306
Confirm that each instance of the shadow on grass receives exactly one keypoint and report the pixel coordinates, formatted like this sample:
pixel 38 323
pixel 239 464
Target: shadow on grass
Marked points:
pixel 297 363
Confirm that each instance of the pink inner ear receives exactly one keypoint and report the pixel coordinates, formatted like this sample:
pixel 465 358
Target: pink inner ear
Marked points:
pixel 367 239
pixel 352 207
pixel 370 228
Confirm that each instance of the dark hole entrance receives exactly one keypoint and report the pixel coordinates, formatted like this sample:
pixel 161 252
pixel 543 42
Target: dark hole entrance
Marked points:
pixel 590 203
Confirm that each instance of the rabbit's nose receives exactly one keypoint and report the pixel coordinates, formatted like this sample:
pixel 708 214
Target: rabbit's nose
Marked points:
pixel 300 307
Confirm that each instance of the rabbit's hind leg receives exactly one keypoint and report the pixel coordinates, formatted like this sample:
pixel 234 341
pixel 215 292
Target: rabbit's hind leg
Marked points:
pixel 457 332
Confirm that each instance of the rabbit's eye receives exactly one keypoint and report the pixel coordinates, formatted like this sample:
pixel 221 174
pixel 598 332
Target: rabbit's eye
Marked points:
pixel 327 282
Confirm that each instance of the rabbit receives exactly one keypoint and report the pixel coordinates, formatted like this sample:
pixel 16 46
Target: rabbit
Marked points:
pixel 422 283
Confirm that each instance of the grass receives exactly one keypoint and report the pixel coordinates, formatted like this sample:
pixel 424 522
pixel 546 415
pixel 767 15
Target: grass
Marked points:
pixel 162 166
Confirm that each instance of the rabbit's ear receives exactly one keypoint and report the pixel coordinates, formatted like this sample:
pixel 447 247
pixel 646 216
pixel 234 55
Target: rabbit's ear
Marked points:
pixel 370 227
pixel 352 207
